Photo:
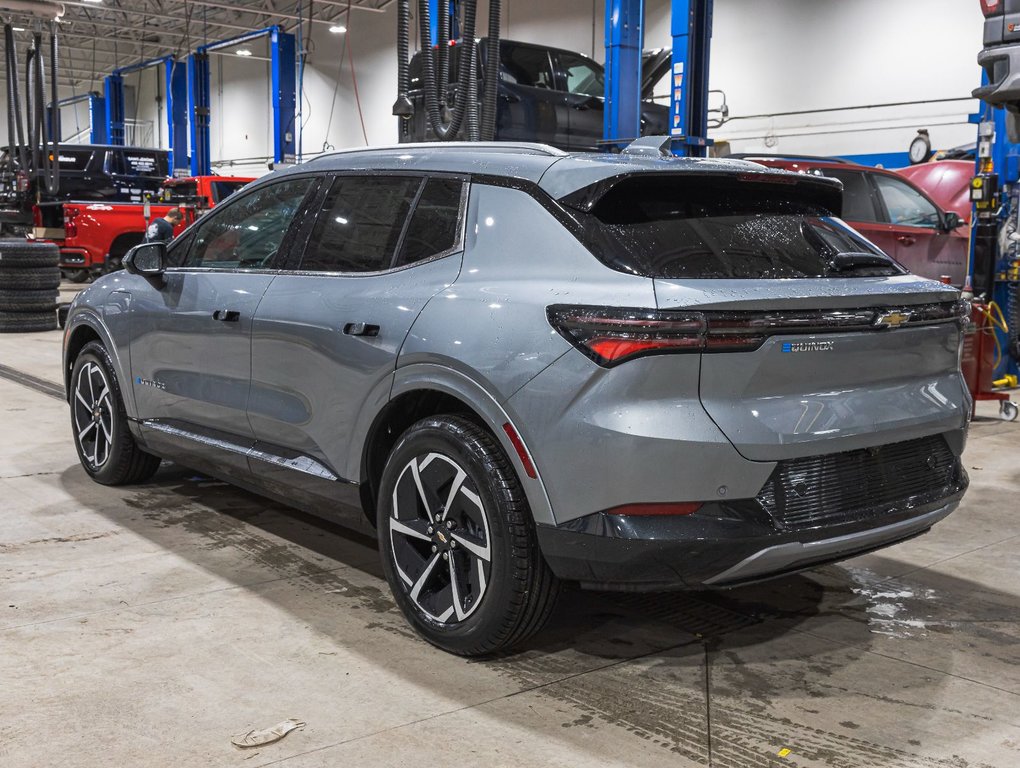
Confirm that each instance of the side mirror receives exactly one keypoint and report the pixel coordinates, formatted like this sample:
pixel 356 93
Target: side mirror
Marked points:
pixel 953 221
pixel 147 259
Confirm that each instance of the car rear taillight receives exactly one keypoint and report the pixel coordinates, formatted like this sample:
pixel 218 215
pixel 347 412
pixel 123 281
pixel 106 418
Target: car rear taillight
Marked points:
pixel 657 508
pixel 70 225
pixel 612 335
pixel 991 7
pixel 36 216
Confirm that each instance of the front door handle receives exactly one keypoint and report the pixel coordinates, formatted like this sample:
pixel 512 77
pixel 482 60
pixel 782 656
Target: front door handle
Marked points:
pixel 361 329
pixel 906 239
pixel 226 315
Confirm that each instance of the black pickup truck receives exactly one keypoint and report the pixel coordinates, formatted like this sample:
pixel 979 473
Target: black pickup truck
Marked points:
pixel 1000 58
pixel 90 173
pixel 548 95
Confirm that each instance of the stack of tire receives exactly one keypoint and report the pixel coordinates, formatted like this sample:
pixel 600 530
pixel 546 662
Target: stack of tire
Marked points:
pixel 29 278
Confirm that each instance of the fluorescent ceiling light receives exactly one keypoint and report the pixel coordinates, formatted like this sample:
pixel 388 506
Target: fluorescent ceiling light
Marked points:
pixel 338 29
pixel 93 1
pixel 244 52
pixel 19 29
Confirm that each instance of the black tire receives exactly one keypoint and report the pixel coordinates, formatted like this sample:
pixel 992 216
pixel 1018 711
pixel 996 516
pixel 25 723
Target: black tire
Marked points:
pixel 77 275
pixel 28 301
pixel 516 590
pixel 29 279
pixel 113 457
pixel 25 322
pixel 21 254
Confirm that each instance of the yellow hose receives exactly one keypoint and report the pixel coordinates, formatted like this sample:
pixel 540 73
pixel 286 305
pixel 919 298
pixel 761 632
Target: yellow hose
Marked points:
pixel 995 317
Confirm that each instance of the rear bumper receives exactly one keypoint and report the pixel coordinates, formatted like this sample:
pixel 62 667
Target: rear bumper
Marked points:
pixel 1001 64
pixel 720 546
pixel 75 258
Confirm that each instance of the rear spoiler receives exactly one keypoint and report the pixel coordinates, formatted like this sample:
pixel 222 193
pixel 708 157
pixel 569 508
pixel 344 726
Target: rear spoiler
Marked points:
pixel 823 191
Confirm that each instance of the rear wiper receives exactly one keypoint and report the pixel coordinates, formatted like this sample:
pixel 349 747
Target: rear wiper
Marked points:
pixel 848 260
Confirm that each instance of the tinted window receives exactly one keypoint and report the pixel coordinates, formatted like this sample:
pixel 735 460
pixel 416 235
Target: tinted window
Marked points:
pixel 905 205
pixel 248 233
pixel 526 66
pixel 858 203
pixel 435 223
pixel 360 223
pixel 221 190
pixel 581 76
pixel 139 163
pixel 718 227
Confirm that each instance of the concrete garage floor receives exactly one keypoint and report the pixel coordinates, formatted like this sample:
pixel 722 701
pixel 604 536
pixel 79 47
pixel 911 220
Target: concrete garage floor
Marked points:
pixel 145 626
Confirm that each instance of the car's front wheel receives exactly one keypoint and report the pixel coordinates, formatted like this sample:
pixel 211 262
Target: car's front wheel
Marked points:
pixel 457 541
pixel 105 445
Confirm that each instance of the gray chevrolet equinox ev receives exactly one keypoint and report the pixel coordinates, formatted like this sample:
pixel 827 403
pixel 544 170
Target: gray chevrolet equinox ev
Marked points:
pixel 519 367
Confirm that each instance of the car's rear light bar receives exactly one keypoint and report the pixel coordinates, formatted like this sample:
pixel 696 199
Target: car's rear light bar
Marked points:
pixel 991 7
pixel 612 335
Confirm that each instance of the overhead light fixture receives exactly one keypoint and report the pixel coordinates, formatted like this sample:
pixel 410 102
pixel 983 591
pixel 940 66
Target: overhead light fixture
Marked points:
pixel 244 52
pixel 338 29
pixel 93 1
pixel 19 29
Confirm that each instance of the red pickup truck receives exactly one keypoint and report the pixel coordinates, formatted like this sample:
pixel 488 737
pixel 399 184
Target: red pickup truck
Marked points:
pixel 109 194
pixel 96 236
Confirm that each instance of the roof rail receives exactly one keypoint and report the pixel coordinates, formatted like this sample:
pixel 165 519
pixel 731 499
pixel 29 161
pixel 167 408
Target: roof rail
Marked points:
pixel 766 156
pixel 489 146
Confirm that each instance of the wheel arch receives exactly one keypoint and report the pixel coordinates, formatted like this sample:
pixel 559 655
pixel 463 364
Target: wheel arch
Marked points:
pixel 81 329
pixel 423 390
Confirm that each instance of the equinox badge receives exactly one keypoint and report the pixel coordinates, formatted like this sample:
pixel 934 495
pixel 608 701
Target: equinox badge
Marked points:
pixel 808 346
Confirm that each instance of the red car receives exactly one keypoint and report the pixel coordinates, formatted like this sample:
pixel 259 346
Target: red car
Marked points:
pixel 947 182
pixel 894 214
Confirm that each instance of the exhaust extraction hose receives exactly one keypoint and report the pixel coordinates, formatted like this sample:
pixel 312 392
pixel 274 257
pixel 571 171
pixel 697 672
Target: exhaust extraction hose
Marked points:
pixel 403 107
pixel 53 177
pixel 491 72
pixel 448 131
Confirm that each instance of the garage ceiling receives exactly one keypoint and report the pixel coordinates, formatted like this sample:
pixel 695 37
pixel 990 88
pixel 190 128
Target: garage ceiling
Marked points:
pixel 97 37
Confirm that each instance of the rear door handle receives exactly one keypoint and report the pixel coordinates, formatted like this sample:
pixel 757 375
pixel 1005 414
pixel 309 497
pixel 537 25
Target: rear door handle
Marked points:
pixel 361 329
pixel 906 239
pixel 226 315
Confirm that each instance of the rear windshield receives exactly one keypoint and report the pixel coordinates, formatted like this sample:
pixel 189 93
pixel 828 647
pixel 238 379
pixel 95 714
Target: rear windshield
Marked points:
pixel 732 226
pixel 221 190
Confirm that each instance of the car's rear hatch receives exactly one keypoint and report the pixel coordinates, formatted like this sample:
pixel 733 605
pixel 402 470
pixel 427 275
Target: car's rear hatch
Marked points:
pixel 812 341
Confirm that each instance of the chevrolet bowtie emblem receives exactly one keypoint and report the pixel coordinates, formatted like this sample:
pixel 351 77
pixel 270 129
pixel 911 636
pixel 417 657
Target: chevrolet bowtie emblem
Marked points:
pixel 892 319
pixel 440 536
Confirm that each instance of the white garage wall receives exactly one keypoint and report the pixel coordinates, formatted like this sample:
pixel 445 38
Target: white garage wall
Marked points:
pixel 794 55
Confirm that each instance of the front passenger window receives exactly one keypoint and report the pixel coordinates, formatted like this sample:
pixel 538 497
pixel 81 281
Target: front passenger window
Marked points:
pixel 246 233
pixel 906 206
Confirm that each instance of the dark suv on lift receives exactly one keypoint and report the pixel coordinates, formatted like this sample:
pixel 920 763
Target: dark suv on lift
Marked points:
pixel 548 95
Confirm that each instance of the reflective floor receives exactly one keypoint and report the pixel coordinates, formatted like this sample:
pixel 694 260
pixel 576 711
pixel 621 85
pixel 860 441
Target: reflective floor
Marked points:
pixel 148 625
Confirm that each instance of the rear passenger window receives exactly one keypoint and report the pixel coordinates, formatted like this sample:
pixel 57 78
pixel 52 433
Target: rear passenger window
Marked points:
pixel 435 223
pixel 359 226
pixel 526 66
pixel 858 203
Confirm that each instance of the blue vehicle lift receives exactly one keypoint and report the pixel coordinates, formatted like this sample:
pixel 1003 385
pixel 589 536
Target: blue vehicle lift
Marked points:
pixel 284 96
pixel 175 89
pixel 692 35
pixel 998 160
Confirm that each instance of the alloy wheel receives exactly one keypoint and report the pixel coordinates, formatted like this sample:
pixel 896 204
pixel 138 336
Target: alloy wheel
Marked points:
pixel 93 414
pixel 440 538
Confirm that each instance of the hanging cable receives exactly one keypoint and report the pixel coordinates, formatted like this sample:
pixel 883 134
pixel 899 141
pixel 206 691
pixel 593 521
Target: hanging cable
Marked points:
pixel 53 177
pixel 439 92
pixel 402 107
pixel 491 74
pixel 447 130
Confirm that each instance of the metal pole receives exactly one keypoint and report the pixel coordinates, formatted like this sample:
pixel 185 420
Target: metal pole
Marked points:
pixel 624 42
